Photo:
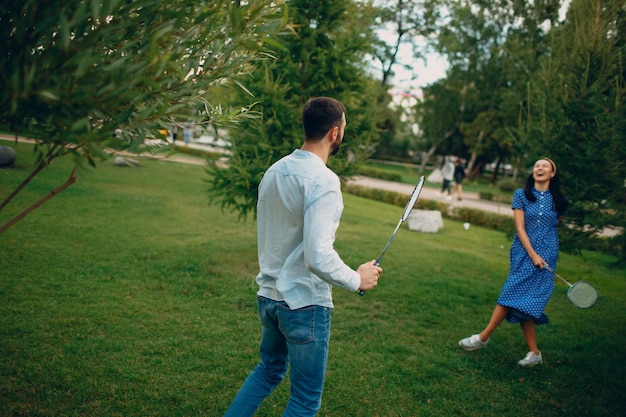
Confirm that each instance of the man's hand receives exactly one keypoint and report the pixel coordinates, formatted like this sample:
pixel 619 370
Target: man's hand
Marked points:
pixel 369 273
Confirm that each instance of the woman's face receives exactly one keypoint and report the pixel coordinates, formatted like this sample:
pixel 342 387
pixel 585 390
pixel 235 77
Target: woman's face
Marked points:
pixel 543 171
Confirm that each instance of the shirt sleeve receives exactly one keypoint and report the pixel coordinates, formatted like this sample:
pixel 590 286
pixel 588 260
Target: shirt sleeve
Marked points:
pixel 321 220
pixel 519 200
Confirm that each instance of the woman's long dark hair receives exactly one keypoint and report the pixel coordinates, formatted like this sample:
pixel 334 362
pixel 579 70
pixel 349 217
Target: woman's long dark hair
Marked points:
pixel 559 200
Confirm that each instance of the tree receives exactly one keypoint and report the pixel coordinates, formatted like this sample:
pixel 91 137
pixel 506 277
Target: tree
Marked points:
pixel 408 21
pixel 403 23
pixel 324 57
pixel 469 38
pixel 534 86
pixel 440 116
pixel 577 112
pixel 492 47
pixel 75 71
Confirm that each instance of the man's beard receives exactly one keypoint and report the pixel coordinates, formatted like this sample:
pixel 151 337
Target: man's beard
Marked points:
pixel 336 147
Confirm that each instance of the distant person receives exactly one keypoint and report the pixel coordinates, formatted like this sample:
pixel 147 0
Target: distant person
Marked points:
pixel 299 208
pixel 447 172
pixel 174 132
pixel 187 133
pixel 459 174
pixel 537 211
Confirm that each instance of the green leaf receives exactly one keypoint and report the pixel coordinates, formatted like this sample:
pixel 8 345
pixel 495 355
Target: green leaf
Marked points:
pixel 81 125
pixel 48 95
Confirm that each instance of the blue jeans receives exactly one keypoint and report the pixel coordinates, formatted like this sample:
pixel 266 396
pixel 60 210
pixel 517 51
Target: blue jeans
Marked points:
pixel 297 337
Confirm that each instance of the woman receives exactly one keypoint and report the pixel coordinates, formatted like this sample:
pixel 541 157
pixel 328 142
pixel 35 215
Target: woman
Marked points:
pixel 537 211
pixel 459 174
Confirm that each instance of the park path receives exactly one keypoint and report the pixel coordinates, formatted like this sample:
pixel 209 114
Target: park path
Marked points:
pixel 470 200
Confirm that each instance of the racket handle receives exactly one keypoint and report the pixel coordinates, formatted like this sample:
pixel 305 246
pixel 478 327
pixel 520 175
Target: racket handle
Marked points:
pixel 361 292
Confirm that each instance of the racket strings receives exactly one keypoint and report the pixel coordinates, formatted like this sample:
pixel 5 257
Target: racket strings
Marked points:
pixel 582 294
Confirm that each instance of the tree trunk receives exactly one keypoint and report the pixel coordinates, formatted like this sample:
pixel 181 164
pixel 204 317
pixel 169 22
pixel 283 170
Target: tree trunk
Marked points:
pixel 426 157
pixel 52 154
pixel 472 161
pixel 19 188
pixel 433 148
pixel 494 175
pixel 71 180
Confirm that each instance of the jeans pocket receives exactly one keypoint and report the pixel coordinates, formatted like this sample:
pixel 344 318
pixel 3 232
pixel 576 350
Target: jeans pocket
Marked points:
pixel 298 326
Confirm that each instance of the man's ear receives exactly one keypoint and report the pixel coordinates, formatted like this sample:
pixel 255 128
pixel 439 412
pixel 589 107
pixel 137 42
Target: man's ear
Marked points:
pixel 334 133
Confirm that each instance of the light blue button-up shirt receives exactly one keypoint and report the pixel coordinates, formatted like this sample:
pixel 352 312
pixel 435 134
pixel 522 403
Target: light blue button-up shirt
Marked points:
pixel 298 212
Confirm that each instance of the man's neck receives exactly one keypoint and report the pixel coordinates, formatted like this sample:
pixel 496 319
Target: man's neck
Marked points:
pixel 317 149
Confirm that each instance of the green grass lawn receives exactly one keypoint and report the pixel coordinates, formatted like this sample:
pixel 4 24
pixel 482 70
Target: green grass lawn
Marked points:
pixel 128 295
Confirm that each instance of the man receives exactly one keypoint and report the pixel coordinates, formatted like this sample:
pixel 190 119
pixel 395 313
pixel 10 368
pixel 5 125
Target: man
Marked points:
pixel 298 210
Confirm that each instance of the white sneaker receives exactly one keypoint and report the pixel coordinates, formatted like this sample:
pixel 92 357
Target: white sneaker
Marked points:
pixel 473 342
pixel 531 360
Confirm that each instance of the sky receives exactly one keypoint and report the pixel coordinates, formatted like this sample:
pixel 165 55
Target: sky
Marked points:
pixel 426 71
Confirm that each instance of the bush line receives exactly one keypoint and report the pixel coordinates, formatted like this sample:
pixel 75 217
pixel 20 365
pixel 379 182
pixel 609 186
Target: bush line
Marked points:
pixel 463 214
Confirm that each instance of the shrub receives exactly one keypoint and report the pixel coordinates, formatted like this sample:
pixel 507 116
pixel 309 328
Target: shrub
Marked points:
pixel 196 152
pixel 377 173
pixel 482 218
pixel 486 195
pixel 508 185
pixel 390 197
pixel 476 217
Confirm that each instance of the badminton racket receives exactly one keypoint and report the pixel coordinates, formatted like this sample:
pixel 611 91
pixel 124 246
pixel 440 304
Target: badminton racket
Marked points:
pixel 582 294
pixel 405 215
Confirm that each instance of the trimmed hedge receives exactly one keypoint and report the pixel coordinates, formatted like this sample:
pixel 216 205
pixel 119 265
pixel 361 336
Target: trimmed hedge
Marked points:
pixel 474 216
pixel 377 173
pixel 196 152
pixel 483 218
pixel 507 185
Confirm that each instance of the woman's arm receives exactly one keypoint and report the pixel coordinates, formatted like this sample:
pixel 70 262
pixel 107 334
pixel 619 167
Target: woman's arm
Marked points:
pixel 520 227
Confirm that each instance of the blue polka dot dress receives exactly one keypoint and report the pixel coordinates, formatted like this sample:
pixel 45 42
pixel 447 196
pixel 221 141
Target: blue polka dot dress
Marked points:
pixel 528 288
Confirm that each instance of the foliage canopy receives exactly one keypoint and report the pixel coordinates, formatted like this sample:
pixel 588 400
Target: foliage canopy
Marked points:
pixel 324 57
pixel 75 71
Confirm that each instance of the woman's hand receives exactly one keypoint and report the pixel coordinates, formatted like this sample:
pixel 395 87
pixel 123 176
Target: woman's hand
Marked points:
pixel 537 260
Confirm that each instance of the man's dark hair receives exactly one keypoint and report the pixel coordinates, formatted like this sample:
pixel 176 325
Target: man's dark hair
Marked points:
pixel 321 114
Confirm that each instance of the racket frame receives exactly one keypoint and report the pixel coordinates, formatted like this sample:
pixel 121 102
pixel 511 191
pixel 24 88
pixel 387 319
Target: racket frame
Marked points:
pixel 405 215
pixel 572 286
